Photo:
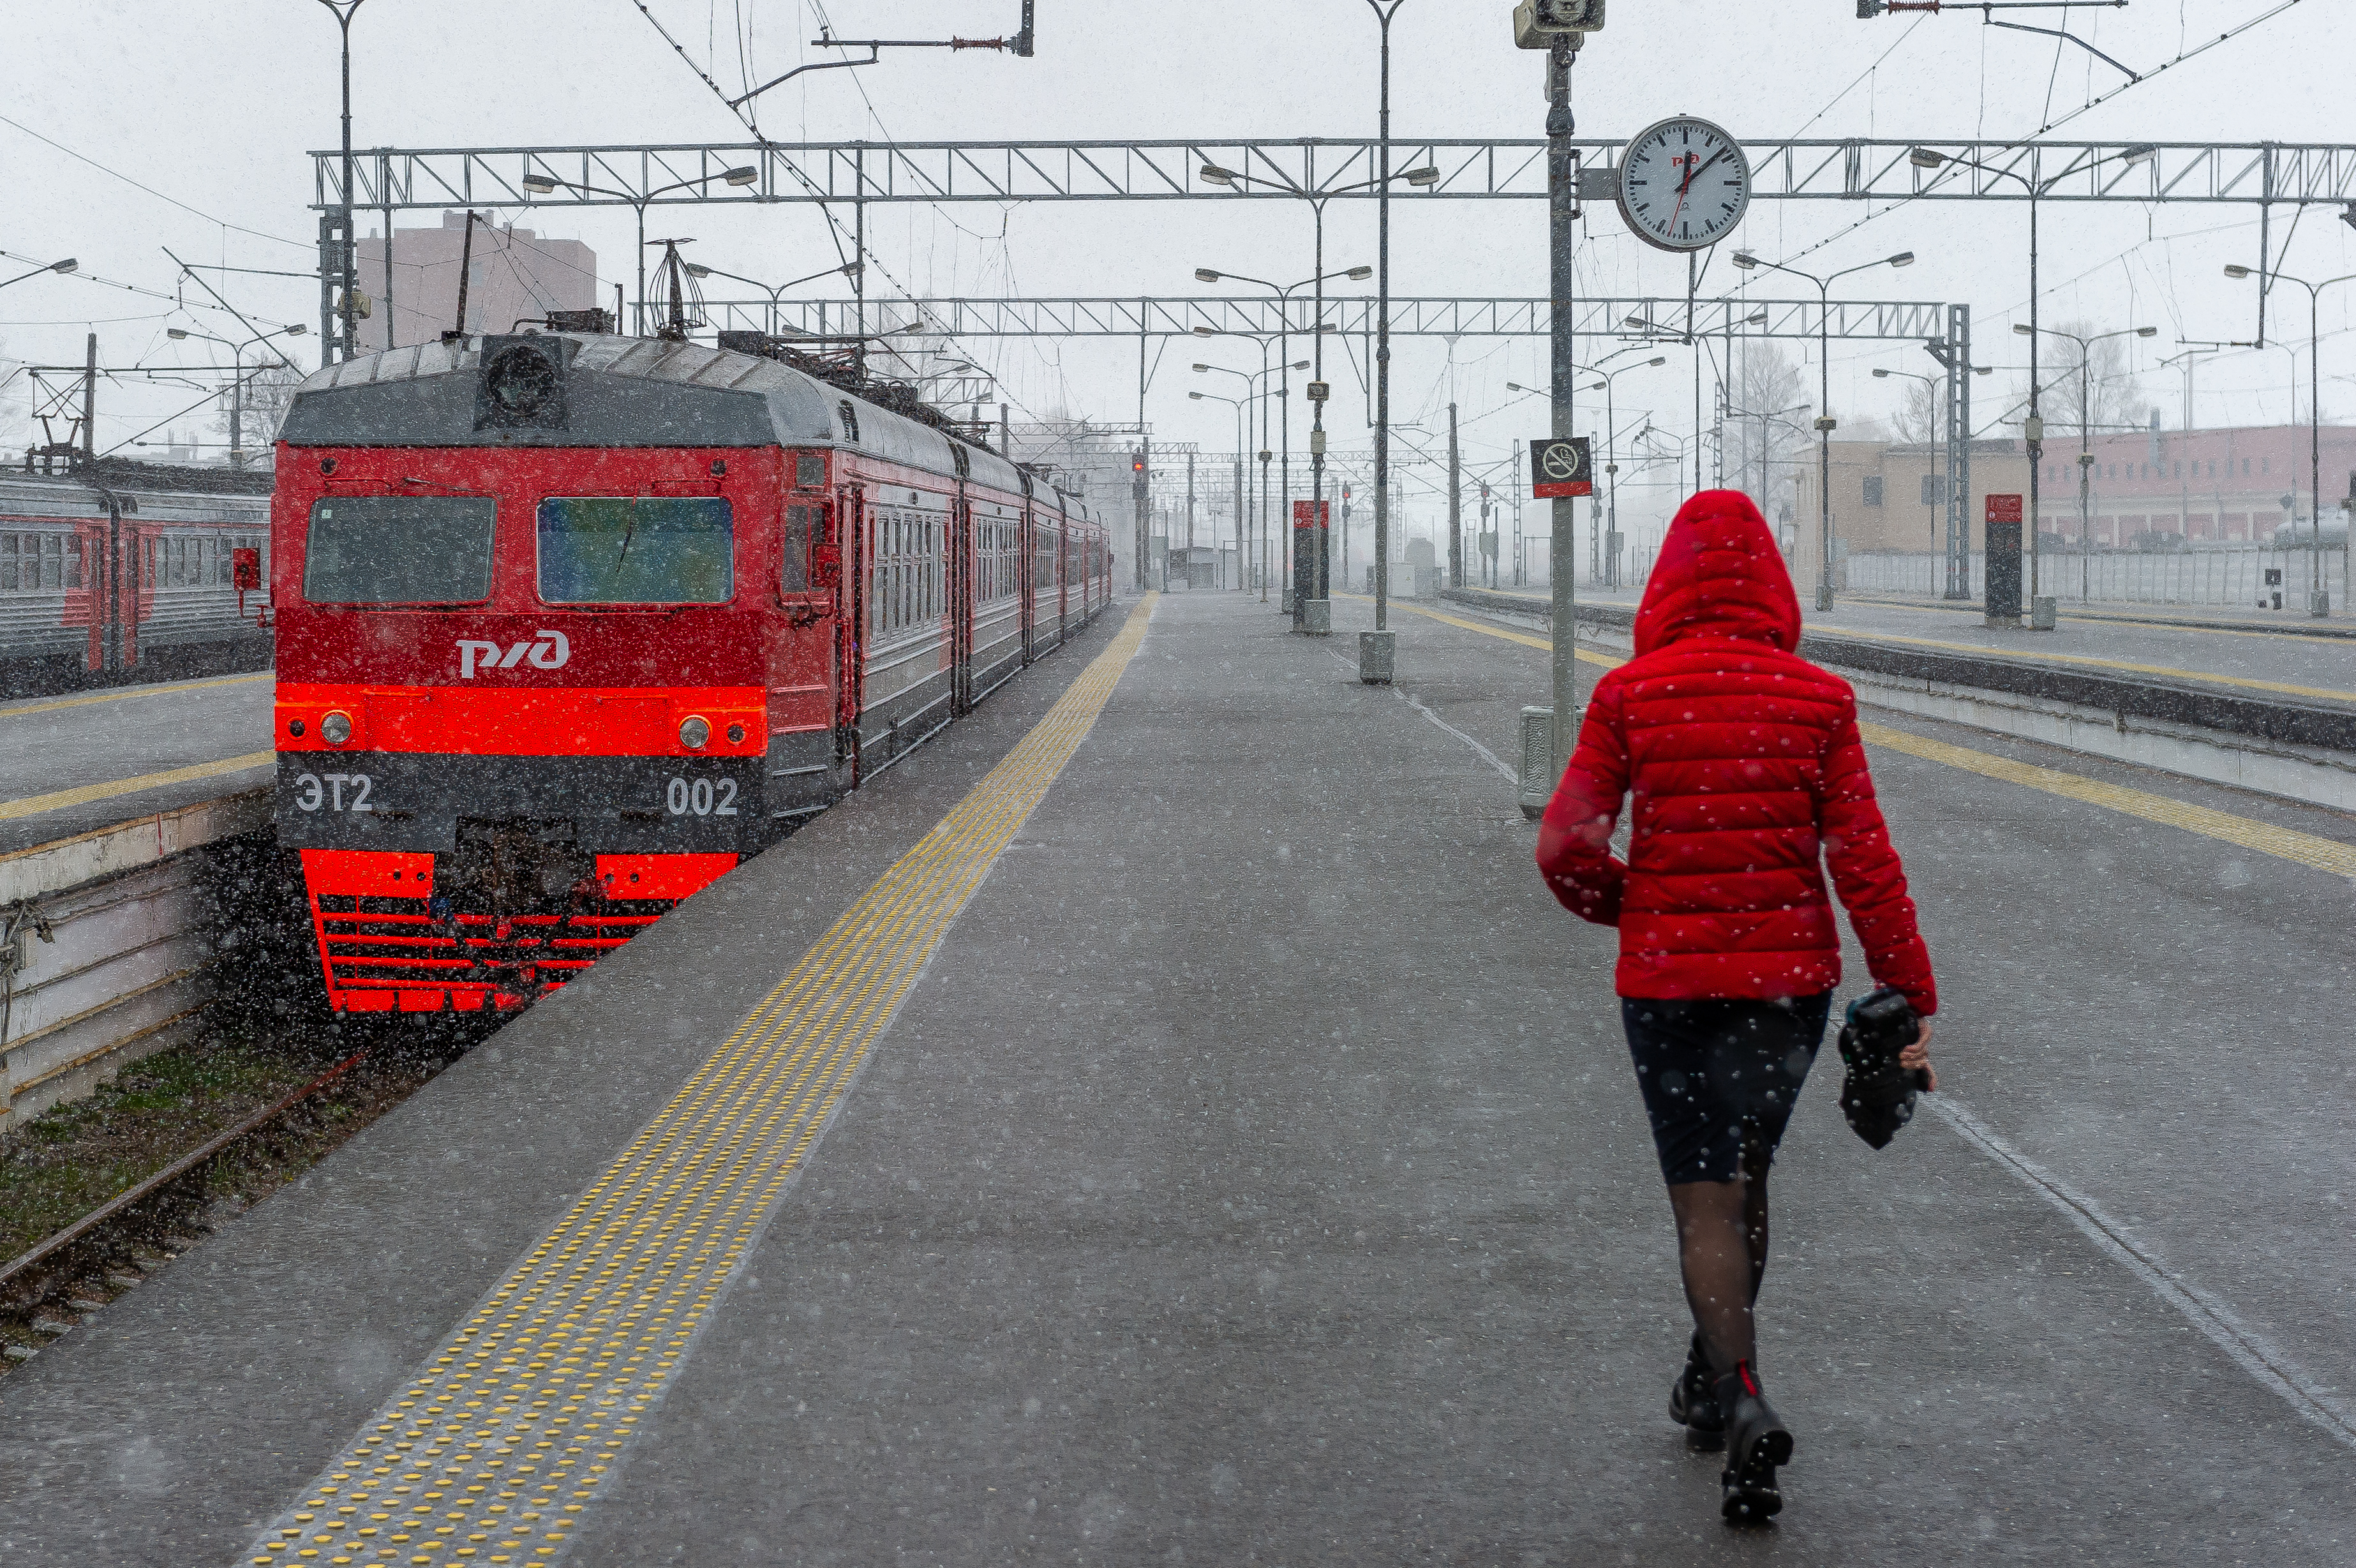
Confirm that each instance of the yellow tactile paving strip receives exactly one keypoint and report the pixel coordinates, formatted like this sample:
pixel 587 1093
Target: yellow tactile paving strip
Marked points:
pixel 58 799
pixel 2285 844
pixel 491 1452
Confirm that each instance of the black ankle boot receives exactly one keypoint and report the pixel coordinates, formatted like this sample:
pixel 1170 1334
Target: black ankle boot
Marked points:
pixel 1756 1443
pixel 1693 1401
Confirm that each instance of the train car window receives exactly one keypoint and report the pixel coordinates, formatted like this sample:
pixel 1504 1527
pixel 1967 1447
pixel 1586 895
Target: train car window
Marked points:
pixel 810 469
pixel 801 531
pixel 399 550
pixel 636 550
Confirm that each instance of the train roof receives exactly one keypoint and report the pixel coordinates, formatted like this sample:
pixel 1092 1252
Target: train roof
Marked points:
pixel 563 389
pixel 165 495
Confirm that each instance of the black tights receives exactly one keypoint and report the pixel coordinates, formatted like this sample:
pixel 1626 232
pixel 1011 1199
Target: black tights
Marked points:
pixel 1722 1253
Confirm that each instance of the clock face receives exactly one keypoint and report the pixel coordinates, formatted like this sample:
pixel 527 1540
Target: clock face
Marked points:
pixel 1684 185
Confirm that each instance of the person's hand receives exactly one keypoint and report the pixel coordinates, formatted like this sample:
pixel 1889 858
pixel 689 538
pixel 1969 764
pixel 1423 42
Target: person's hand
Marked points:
pixel 1918 1054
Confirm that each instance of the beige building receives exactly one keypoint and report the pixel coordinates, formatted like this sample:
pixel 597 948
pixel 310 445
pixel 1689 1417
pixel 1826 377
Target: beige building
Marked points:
pixel 1892 499
pixel 517 273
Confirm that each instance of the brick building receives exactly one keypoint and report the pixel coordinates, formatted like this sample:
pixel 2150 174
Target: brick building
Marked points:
pixel 2234 485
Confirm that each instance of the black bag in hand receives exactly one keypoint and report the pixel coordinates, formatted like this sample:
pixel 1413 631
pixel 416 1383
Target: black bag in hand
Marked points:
pixel 1877 1094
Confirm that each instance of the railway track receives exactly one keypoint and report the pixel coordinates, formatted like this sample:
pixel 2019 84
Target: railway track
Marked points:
pixel 50 1287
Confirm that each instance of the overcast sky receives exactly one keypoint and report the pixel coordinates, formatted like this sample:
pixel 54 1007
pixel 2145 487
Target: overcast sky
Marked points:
pixel 214 108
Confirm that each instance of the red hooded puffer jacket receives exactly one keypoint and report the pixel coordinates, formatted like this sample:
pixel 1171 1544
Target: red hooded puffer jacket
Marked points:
pixel 1744 764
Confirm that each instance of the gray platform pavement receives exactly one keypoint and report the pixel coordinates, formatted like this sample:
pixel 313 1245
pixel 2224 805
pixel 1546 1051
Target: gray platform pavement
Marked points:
pixel 1256 1175
pixel 73 763
pixel 2245 655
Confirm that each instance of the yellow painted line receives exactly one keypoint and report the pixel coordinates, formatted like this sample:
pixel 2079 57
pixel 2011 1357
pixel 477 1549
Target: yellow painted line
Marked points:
pixel 58 799
pixel 2086 618
pixel 127 694
pixel 490 1452
pixel 2286 844
pixel 2265 838
pixel 1525 639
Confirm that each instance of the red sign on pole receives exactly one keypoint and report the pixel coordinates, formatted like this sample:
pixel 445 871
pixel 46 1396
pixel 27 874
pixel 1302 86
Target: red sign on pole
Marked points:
pixel 2003 509
pixel 1300 513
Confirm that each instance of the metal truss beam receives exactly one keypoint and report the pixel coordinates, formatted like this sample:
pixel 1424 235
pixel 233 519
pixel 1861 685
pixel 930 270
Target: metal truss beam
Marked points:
pixel 1850 169
pixel 1352 316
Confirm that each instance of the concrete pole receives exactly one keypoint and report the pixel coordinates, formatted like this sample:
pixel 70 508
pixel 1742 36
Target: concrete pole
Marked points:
pixel 1455 510
pixel 1562 200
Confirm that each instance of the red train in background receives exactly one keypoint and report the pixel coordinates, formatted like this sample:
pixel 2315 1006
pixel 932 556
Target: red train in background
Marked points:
pixel 568 624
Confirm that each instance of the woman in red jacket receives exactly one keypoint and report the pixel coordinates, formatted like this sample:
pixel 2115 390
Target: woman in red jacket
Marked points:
pixel 1746 778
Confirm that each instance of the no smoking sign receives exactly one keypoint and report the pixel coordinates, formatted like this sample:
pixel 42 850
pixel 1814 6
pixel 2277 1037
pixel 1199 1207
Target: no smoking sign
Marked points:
pixel 1559 466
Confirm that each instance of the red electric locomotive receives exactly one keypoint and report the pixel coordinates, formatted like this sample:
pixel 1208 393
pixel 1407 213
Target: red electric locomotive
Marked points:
pixel 569 624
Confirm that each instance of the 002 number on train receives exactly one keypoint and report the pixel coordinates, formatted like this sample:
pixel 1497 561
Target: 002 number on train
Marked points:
pixel 700 797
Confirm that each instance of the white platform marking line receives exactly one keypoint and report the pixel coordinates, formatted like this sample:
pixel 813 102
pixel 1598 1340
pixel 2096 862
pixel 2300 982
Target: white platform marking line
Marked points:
pixel 2249 1350
pixel 1486 755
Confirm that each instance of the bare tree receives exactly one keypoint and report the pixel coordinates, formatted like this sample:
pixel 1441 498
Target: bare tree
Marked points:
pixel 1767 427
pixel 259 409
pixel 1920 417
pixel 2107 398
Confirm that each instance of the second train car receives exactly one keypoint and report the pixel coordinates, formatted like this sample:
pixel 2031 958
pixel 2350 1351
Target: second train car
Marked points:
pixel 567 625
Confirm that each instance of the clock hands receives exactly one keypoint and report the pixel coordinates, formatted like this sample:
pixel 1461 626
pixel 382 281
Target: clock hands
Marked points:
pixel 1698 168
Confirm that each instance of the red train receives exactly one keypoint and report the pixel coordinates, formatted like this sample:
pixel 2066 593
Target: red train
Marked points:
pixel 569 624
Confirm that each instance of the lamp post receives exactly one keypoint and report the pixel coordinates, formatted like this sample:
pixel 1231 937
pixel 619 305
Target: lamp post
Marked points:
pixel 68 265
pixel 545 184
pixel 1283 292
pixel 848 269
pixel 1243 420
pixel 1259 395
pixel 1825 421
pixel 2032 428
pixel 2184 480
pixel 331 340
pixel 2319 601
pixel 237 378
pixel 1882 375
pixel 1263 340
pixel 2086 444
pixel 1611 462
pixel 1766 467
pixel 1383 15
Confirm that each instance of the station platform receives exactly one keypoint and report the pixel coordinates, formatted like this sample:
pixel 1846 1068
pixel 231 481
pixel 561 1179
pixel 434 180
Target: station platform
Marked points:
pixel 73 763
pixel 2285 656
pixel 1166 1120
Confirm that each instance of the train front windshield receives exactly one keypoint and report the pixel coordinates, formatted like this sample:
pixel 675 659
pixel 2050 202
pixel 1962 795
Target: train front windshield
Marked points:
pixel 399 550
pixel 636 550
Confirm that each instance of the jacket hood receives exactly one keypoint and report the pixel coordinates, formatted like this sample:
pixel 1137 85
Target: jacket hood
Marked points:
pixel 1719 575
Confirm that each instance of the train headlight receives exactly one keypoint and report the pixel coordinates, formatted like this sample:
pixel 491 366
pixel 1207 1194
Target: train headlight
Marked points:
pixel 336 728
pixel 695 733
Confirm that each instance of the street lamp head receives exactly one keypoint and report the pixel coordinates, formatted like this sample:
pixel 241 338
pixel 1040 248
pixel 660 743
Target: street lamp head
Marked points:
pixel 1745 260
pixel 1757 317
pixel 1206 332
pixel 1215 175
pixel 1205 275
pixel 296 330
pixel 1360 274
pixel 2147 331
pixel 1881 375
pixel 1636 323
pixel 1924 157
pixel 1658 359
pixel 2141 152
pixel 1200 369
pixel 68 265
pixel 1516 386
pixel 747 175
pixel 1903 259
pixel 1599 386
pixel 539 184
pixel 1426 176
pixel 1299 364
pixel 2234 270
pixel 1195 395
pixel 2024 329
pixel 2348 215
pixel 694 270
pixel 175 333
